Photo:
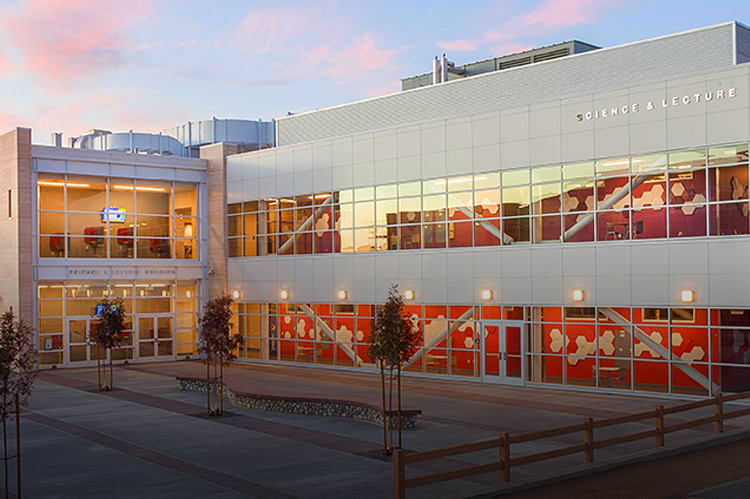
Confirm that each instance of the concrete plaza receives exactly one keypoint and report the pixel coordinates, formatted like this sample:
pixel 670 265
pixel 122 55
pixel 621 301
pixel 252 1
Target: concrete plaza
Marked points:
pixel 149 439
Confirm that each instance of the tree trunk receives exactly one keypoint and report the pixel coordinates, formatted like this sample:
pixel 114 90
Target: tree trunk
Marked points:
pixel 18 448
pixel 390 404
pixel 221 385
pixel 208 384
pixel 5 453
pixel 99 369
pixel 385 414
pixel 111 379
pixel 398 373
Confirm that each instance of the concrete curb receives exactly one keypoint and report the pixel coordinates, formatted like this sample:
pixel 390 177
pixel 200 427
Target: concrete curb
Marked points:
pixel 590 469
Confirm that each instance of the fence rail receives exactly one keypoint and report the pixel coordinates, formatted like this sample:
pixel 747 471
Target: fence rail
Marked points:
pixel 503 443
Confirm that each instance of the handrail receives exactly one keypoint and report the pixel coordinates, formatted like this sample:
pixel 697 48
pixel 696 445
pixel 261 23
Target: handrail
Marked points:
pixel 504 441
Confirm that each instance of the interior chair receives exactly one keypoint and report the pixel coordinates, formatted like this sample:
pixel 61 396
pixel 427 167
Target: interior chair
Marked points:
pixel 611 230
pixel 94 238
pixel 125 241
pixel 637 229
pixel 56 245
pixel 159 247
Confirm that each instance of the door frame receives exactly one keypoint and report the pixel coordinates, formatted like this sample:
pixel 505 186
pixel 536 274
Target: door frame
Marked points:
pixel 90 346
pixel 155 340
pixel 502 377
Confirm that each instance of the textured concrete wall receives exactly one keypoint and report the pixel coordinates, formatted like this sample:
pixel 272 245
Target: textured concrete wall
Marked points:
pixel 16 272
pixel 216 155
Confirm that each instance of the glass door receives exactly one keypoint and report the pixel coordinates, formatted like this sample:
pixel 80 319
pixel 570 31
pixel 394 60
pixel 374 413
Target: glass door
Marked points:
pixel 81 351
pixel 155 337
pixel 502 352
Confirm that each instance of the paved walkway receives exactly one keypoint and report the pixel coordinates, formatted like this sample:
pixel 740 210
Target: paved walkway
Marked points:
pixel 149 439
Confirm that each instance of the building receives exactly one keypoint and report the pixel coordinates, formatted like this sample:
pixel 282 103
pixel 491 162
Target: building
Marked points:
pixel 581 221
pixel 129 215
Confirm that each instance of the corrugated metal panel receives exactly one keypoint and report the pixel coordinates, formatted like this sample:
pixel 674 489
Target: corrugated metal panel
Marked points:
pixel 590 72
pixel 743 44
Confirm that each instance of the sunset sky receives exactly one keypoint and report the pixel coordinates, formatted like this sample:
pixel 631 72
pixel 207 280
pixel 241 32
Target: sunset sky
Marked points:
pixel 151 64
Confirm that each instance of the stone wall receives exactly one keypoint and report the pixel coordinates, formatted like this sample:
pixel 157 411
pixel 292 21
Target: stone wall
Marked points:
pixel 311 407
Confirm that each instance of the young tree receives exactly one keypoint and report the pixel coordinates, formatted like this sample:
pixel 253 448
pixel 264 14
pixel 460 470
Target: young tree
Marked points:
pixel 394 338
pixel 218 345
pixel 18 358
pixel 106 333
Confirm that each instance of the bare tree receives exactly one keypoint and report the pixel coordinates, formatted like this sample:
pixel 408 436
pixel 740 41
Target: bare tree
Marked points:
pixel 106 333
pixel 394 338
pixel 219 346
pixel 18 359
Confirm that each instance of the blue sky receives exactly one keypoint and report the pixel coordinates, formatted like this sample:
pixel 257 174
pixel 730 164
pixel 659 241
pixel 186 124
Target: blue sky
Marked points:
pixel 151 64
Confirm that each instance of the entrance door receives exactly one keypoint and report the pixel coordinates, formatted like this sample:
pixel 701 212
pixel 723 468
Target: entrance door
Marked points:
pixel 155 337
pixel 81 351
pixel 502 352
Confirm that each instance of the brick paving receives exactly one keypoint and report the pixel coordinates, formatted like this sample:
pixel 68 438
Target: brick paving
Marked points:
pixel 143 439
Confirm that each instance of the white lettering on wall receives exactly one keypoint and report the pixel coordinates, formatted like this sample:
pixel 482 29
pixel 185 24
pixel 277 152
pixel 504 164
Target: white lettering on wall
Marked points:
pixel 678 100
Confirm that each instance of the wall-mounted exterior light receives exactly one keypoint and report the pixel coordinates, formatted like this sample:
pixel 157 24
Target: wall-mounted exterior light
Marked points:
pixel 578 295
pixel 687 296
pixel 342 294
pixel 284 294
pixel 486 294
pixel 409 294
pixel 236 294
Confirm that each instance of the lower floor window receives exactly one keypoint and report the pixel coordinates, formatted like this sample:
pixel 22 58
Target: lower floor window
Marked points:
pixel 673 350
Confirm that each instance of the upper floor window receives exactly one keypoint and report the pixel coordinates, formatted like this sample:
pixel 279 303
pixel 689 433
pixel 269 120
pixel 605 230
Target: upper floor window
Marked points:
pixel 91 217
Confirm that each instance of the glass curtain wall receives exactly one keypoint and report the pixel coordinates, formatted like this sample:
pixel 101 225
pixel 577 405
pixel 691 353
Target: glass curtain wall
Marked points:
pixel 671 350
pixel 695 193
pixel 91 217
pixel 161 319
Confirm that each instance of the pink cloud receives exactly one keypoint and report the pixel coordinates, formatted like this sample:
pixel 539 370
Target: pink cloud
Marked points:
pixel 10 121
pixel 547 17
pixel 458 45
pixel 564 13
pixel 363 56
pixel 312 41
pixel 275 30
pixel 69 40
pixel 5 64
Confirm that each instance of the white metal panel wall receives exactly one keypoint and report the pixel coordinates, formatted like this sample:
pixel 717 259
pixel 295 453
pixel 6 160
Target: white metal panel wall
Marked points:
pixel 590 72
pixel 743 44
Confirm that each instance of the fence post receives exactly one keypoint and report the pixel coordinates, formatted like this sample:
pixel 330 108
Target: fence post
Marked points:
pixel 588 440
pixel 399 474
pixel 659 424
pixel 719 413
pixel 504 451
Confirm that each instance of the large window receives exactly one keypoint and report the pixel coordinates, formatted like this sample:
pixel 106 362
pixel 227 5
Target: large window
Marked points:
pixel 672 350
pixel 161 319
pixel 693 193
pixel 89 217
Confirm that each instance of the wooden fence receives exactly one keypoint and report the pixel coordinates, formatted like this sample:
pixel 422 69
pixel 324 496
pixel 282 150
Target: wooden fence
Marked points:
pixel 503 443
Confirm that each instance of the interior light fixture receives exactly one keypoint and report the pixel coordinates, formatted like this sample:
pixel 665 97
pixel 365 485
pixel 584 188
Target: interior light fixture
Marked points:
pixel 236 294
pixel 188 293
pixel 578 295
pixel 284 294
pixel 486 294
pixel 139 188
pixel 342 294
pixel 409 294
pixel 687 296
pixel 61 184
